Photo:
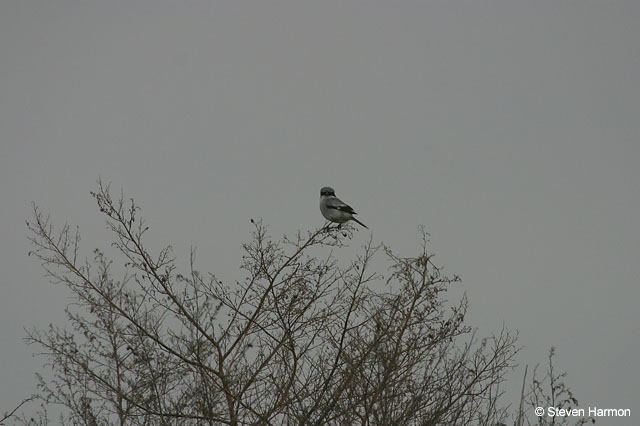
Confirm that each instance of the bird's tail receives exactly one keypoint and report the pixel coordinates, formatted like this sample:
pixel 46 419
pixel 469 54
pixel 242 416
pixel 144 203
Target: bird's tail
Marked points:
pixel 353 218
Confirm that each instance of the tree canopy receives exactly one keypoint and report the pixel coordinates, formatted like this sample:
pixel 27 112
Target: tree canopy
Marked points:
pixel 301 337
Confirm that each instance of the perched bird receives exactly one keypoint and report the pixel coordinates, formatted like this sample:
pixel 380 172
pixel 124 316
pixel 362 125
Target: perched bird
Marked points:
pixel 334 209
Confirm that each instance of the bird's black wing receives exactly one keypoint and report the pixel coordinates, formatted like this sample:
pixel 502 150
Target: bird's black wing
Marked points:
pixel 339 205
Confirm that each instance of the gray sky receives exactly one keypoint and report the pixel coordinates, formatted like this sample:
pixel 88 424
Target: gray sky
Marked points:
pixel 510 129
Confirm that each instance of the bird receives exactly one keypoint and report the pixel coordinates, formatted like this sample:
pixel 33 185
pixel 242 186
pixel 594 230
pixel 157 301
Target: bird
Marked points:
pixel 334 209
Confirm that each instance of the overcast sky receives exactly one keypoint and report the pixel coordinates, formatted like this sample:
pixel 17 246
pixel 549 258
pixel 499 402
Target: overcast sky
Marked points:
pixel 510 129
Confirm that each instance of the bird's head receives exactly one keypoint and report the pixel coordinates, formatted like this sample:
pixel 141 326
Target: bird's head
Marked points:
pixel 327 192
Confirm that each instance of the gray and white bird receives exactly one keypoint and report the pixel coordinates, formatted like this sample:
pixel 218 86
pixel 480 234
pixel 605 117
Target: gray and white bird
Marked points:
pixel 334 209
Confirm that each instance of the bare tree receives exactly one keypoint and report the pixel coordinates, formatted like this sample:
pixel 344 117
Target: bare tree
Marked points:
pixel 301 338
pixel 552 391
